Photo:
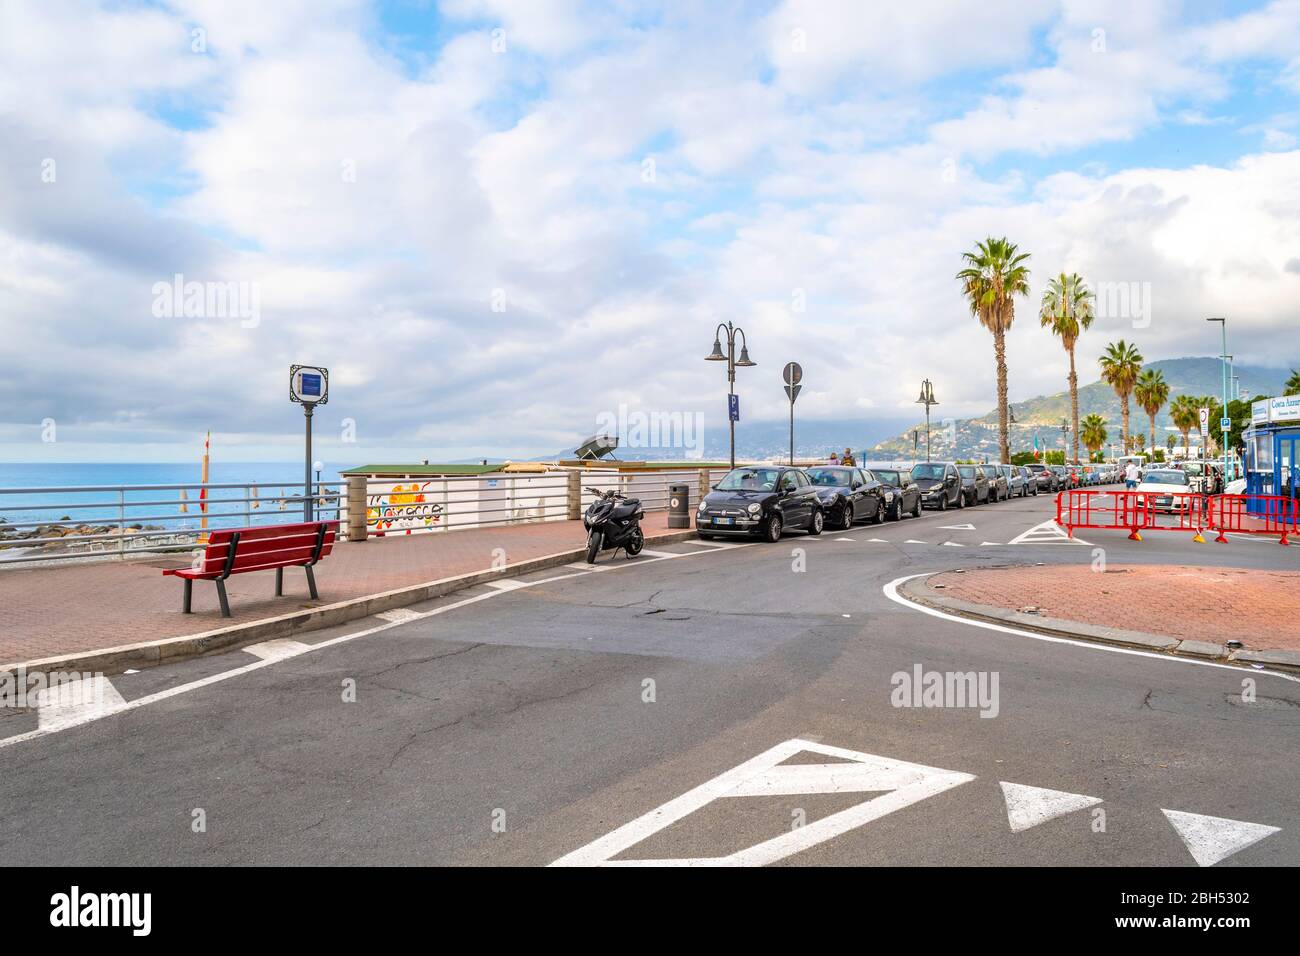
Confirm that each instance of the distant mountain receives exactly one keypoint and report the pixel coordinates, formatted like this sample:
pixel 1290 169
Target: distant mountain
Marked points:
pixel 764 440
pixel 1041 416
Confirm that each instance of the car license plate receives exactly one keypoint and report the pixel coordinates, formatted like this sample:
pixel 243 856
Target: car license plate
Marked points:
pixel 1164 501
pixel 724 520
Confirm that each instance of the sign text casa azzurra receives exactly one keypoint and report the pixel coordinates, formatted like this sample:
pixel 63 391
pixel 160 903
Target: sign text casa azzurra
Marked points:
pixel 1284 409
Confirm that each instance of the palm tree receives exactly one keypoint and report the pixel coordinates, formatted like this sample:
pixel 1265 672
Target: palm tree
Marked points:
pixel 1093 434
pixel 1120 364
pixel 1186 415
pixel 1151 392
pixel 1292 386
pixel 994 274
pixel 1066 310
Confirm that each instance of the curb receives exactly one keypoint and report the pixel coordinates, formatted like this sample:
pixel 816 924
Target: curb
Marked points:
pixel 114 660
pixel 917 591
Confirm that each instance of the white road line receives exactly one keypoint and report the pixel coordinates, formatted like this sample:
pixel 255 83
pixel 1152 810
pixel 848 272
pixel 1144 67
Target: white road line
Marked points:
pixel 953 544
pixel 1211 839
pixel 956 527
pixel 990 544
pixel 906 783
pixel 506 584
pixel 111 708
pixel 1029 806
pixel 71 701
pixel 277 649
pixel 846 539
pixel 913 541
pixel 584 566
pixel 712 544
pixel 891 592
pixel 877 541
pixel 664 554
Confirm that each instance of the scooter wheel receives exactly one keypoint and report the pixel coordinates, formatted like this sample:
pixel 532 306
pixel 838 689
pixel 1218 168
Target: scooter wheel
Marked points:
pixel 635 542
pixel 593 546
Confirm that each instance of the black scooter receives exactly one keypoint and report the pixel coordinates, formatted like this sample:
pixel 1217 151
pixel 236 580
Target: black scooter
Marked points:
pixel 613 521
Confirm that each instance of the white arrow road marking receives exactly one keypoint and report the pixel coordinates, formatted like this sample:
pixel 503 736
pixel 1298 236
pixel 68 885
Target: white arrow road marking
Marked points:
pixel 1029 806
pixel 913 541
pixel 990 544
pixel 877 541
pixel 953 544
pixel 1049 532
pixel 956 527
pixel 1211 839
pixel 68 702
pixel 906 783
pixel 278 649
pixel 846 539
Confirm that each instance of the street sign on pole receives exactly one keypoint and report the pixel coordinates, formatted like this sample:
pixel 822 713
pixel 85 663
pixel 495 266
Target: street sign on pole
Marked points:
pixel 733 407
pixel 1225 423
pixel 309 386
pixel 793 375
pixel 1205 419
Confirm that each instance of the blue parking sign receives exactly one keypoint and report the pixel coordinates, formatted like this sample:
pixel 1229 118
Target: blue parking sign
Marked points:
pixel 733 407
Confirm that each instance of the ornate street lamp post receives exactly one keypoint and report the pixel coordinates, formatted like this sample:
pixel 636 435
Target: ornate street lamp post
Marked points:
pixel 733 363
pixel 927 399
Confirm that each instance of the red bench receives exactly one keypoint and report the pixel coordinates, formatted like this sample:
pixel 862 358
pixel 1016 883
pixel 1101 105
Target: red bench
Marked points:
pixel 239 550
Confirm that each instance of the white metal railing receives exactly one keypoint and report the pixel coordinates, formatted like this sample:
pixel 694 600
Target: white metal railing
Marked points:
pixel 125 521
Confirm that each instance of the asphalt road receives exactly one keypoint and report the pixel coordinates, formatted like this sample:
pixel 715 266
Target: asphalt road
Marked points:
pixel 544 722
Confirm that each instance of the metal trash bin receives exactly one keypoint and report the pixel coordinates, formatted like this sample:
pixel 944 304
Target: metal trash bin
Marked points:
pixel 679 506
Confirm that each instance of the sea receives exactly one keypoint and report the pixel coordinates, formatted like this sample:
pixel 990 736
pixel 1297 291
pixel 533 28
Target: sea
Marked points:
pixel 20 501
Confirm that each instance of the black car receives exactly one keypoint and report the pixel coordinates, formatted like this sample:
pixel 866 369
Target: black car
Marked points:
pixel 848 494
pixel 939 484
pixel 974 485
pixel 760 501
pixel 902 495
pixel 999 490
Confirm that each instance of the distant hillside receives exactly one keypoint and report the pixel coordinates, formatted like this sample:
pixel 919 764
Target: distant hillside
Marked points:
pixel 1041 416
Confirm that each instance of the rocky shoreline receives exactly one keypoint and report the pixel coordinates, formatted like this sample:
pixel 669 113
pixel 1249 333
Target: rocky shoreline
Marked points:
pixel 90 537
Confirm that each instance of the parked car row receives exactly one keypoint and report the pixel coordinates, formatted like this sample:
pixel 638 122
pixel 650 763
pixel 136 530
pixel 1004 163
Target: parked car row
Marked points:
pixel 767 500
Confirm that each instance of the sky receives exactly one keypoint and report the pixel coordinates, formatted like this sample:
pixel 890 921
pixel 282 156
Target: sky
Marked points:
pixel 496 221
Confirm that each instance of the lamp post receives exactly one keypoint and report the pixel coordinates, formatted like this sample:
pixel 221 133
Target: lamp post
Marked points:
pixel 732 364
pixel 927 399
pixel 1223 436
pixel 1065 441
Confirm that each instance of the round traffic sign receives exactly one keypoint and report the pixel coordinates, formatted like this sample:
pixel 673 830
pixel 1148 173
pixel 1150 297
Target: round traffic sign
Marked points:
pixel 793 373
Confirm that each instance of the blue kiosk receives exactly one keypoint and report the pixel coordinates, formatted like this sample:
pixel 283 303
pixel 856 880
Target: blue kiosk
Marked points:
pixel 1272 445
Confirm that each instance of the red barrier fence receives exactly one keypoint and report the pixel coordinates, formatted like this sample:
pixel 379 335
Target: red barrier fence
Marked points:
pixel 1132 511
pixel 1253 514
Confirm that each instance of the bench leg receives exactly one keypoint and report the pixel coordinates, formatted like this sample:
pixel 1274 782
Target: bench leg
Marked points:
pixel 221 596
pixel 279 582
pixel 189 593
pixel 311 583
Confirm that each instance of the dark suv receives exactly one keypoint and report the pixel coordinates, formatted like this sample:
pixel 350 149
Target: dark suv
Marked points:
pixel 939 483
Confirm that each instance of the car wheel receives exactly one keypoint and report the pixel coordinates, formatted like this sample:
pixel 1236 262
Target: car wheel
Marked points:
pixel 772 529
pixel 846 521
pixel 916 508
pixel 961 499
pixel 943 501
pixel 816 522
pixel 895 512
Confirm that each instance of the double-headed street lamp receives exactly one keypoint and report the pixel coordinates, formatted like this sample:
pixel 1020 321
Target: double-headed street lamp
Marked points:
pixel 927 399
pixel 1065 441
pixel 733 411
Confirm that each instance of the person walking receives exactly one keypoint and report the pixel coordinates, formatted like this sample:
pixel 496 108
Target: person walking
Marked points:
pixel 1131 475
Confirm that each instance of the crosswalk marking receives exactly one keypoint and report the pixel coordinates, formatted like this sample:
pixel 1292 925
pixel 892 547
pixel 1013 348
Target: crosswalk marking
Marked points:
pixel 1029 806
pixel 278 649
pixel 1211 839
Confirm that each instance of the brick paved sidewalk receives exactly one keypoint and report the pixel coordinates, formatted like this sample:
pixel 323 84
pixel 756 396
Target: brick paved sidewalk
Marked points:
pixel 71 608
pixel 1257 608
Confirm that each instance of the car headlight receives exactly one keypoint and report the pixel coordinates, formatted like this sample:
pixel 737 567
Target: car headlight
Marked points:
pixel 704 506
pixel 754 508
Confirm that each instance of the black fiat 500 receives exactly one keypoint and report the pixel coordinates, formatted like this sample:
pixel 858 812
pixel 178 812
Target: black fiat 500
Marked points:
pixel 848 494
pixel 902 494
pixel 760 501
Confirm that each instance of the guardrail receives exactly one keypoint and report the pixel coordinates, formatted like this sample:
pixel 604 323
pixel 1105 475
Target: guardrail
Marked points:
pixel 1138 511
pixel 128 521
